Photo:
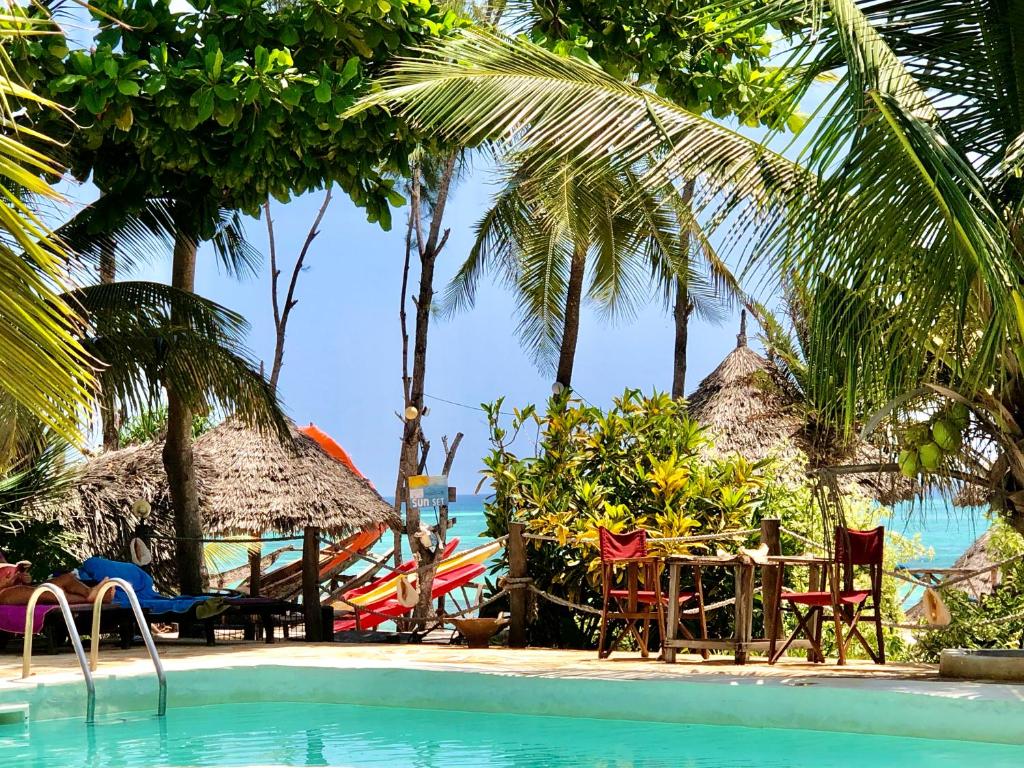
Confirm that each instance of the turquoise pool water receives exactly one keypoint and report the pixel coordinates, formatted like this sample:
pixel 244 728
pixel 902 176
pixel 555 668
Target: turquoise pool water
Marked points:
pixel 303 734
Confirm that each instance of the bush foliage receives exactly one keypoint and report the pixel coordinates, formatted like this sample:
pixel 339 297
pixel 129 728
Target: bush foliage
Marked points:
pixel 644 463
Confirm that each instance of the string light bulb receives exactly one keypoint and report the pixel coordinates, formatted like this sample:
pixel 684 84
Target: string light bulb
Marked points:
pixel 411 413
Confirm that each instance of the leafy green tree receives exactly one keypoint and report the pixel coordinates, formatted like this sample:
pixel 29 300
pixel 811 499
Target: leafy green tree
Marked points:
pixel 675 47
pixel 221 106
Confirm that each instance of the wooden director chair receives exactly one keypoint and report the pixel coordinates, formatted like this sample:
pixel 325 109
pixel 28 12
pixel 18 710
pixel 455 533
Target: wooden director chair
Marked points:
pixel 640 601
pixel 848 606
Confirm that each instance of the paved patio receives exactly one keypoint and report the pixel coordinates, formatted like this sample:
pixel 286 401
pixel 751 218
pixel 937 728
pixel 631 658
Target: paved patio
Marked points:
pixel 527 662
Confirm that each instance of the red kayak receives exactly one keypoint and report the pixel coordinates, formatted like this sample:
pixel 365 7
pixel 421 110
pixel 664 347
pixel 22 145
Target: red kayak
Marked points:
pixel 406 567
pixel 391 609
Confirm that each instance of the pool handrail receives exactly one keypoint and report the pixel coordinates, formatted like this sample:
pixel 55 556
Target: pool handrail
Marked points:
pixel 76 641
pixel 140 619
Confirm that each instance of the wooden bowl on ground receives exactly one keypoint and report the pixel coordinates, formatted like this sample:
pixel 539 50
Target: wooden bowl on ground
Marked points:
pixel 478 632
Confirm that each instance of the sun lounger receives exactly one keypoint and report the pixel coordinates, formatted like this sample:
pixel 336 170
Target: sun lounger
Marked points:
pixel 286 581
pixel 49 623
pixel 232 611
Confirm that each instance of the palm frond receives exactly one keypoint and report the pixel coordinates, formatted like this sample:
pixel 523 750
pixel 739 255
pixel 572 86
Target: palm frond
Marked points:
pixel 476 87
pixel 140 230
pixel 42 365
pixel 151 337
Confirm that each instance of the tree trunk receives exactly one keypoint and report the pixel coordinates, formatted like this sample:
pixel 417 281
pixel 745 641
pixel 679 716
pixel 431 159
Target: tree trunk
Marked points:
pixel 681 315
pixel 411 434
pixel 428 245
pixel 426 578
pixel 177 453
pixel 683 306
pixel 571 329
pixel 109 414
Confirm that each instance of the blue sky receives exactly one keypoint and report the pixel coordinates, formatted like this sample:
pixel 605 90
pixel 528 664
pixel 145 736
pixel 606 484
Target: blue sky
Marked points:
pixel 342 359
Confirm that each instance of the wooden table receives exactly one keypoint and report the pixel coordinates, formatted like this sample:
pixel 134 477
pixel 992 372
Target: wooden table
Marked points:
pixel 742 641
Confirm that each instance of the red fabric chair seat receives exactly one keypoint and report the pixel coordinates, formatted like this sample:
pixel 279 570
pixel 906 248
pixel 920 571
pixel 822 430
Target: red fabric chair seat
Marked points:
pixel 854 597
pixel 648 596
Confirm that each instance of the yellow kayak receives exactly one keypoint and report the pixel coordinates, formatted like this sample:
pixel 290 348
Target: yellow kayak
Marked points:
pixel 385 588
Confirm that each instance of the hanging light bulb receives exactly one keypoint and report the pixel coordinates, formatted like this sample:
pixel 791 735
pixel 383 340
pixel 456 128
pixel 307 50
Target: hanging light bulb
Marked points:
pixel 557 388
pixel 411 413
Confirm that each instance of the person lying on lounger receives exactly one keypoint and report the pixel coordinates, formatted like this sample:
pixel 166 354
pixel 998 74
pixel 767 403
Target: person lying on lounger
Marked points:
pixel 16 586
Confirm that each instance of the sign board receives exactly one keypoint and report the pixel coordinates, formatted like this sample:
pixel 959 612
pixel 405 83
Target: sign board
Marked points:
pixel 428 491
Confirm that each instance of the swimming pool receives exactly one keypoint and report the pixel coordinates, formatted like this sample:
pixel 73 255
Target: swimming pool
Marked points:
pixel 295 715
pixel 302 734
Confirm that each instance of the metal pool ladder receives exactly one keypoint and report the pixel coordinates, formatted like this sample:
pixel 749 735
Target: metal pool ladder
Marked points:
pixel 89 665
pixel 147 636
pixel 76 641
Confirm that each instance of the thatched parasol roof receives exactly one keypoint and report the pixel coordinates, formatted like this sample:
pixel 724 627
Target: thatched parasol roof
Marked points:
pixel 751 410
pixel 977 557
pixel 248 482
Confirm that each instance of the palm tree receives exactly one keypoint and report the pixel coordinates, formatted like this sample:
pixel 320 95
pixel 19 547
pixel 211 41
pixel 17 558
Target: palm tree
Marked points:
pixel 902 219
pixel 139 226
pixel 145 338
pixel 115 234
pixel 546 231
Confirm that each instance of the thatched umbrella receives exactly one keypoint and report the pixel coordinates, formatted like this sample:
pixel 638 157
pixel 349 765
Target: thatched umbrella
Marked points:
pixel 248 482
pixel 751 410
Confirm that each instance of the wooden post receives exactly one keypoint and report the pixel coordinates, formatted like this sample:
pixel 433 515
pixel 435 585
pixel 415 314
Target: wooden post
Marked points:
pixel 517 597
pixel 815 584
pixel 672 619
pixel 311 584
pixel 255 561
pixel 744 605
pixel 770 535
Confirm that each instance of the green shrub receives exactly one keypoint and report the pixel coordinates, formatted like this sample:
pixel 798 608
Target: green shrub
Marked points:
pixel 644 463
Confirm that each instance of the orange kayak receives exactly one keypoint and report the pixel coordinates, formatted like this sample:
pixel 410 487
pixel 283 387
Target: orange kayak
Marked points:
pixel 331 447
pixel 334 558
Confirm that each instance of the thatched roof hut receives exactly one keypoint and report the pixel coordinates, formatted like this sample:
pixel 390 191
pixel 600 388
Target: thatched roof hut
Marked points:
pixel 979 557
pixel 248 483
pixel 751 410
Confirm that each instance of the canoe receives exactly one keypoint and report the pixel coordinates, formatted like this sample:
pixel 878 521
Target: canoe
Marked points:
pixel 385 587
pixel 392 609
pixel 288 578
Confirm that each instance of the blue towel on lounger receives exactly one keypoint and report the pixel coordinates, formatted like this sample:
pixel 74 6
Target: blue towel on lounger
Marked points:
pixel 95 569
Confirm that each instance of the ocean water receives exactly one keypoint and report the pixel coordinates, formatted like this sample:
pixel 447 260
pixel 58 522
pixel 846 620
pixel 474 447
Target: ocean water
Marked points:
pixel 308 734
pixel 944 529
